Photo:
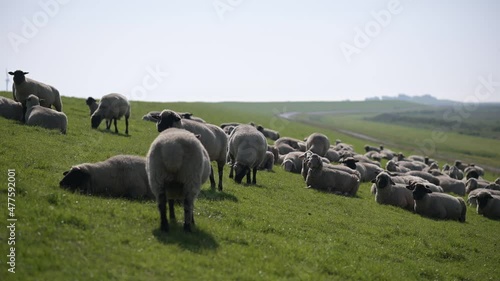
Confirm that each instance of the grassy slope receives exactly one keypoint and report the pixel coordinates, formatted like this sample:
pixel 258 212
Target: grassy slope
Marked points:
pixel 276 230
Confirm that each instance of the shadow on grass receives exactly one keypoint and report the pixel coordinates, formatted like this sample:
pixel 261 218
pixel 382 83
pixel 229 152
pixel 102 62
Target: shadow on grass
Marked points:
pixel 112 132
pixel 213 195
pixel 196 241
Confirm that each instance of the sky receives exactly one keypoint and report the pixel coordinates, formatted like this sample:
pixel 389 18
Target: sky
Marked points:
pixel 256 50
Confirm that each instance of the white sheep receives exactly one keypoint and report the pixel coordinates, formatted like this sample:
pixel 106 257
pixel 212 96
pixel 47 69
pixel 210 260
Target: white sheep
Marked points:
pixel 246 148
pixel 334 181
pixel 11 109
pixel 473 183
pixel 118 176
pixel 268 162
pixel 177 165
pixel 24 87
pixel 37 115
pixel 451 185
pixel 292 162
pixel 390 193
pixel 112 107
pixel 212 137
pixel 332 155
pixel 437 205
pixel 412 165
pixel 407 179
pixel 151 116
pixel 286 145
pixel 306 157
pixel 318 143
pixel 367 171
pixel 472 197
pixel 488 205
pixel 424 175
pixel 392 166
pixel 268 133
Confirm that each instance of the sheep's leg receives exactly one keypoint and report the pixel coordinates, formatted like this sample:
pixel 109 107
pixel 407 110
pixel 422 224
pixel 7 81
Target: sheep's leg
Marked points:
pixel 162 207
pixel 116 128
pixel 254 181
pixel 232 168
pixel 188 214
pixel 212 179
pixel 126 125
pixel 25 108
pixel 249 180
pixel 171 209
pixel 220 167
pixel 108 124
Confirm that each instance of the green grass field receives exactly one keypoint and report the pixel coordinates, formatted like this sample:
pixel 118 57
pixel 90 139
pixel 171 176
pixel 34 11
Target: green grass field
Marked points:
pixel 277 230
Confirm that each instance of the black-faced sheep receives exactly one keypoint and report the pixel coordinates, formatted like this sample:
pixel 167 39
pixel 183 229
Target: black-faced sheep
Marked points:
pixel 37 115
pixel 367 171
pixel 455 173
pixel 212 137
pixel 329 180
pixel 369 148
pixel 472 197
pixel 112 107
pixel 268 133
pixel 392 166
pixel 390 193
pixel 177 165
pixel 119 176
pixel 11 109
pixel 488 205
pixel 318 143
pixel 246 148
pixel 92 104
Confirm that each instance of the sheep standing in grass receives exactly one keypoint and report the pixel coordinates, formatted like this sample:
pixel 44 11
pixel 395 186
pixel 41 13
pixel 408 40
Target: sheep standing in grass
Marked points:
pixel 437 205
pixel 177 165
pixel 247 148
pixel 329 180
pixel 318 143
pixel 37 115
pixel 24 87
pixel 111 107
pixel 390 193
pixel 119 176
pixel 268 133
pixel 11 109
pixel 212 137
pixel 488 205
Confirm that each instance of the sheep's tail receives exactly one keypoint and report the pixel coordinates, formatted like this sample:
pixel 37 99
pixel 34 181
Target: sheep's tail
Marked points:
pixel 57 101
pixel 464 210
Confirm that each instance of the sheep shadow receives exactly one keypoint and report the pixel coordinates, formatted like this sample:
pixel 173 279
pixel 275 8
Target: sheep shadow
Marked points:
pixel 112 132
pixel 213 195
pixel 196 241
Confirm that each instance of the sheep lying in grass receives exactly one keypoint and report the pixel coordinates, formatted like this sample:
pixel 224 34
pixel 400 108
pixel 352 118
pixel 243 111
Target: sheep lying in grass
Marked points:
pixel 412 165
pixel 268 162
pixel 37 115
pixel 367 171
pixel 472 198
pixel 488 205
pixel 386 153
pixel 286 145
pixel 473 167
pixel 24 87
pixel 369 148
pixel 306 157
pixel 246 148
pixel 332 155
pixel 292 162
pixel 11 109
pixel 177 165
pixel 390 193
pixel 407 179
pixel 392 166
pixel 374 155
pixel 228 130
pixel 151 116
pixel 451 185
pixel 112 107
pixel 424 175
pixel 119 176
pixel 455 173
pixel 437 205
pixel 212 137
pixel 334 181
pixel 318 143
pixel 268 133
pixel 473 183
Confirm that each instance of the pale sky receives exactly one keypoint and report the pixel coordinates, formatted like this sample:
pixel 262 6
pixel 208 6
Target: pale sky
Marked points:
pixel 256 50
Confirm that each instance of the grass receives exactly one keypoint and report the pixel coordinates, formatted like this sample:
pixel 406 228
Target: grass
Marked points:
pixel 277 230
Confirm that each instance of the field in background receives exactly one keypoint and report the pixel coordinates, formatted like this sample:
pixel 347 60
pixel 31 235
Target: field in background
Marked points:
pixel 275 230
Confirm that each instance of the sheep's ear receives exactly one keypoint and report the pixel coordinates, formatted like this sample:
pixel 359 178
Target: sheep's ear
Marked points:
pixel 155 116
pixel 11 73
pixel 25 72
pixel 198 136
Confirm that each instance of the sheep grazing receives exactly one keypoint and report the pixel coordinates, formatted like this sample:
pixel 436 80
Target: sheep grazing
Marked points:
pixel 268 162
pixel 37 115
pixel 247 148
pixel 111 107
pixel 212 137
pixel 11 109
pixel 334 181
pixel 318 143
pixel 488 205
pixel 24 87
pixel 390 193
pixel 472 198
pixel 177 165
pixel 367 171
pixel 437 205
pixel 268 133
pixel 119 176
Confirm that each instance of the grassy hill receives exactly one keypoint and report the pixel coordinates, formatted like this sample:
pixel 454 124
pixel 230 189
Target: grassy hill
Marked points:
pixel 275 230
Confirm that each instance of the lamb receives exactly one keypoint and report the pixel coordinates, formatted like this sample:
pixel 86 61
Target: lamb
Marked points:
pixel 212 137
pixel 437 205
pixel 246 148
pixel 392 166
pixel 37 115
pixel 268 133
pixel 472 198
pixel 268 162
pixel 11 109
pixel 119 176
pixel 367 171
pixel 318 143
pixel 24 87
pixel 390 193
pixel 488 205
pixel 111 107
pixel 292 162
pixel 177 165
pixel 329 180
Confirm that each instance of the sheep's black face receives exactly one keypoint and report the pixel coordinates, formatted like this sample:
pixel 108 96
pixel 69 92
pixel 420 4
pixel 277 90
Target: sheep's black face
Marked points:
pixel 240 172
pixel 90 101
pixel 472 174
pixel 382 181
pixel 18 76
pixel 351 163
pixel 74 179
pixel 167 119
pixel 420 191
pixel 482 199
pixel 96 121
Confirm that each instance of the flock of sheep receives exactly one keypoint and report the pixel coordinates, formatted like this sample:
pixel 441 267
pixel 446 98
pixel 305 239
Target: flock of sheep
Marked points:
pixel 179 161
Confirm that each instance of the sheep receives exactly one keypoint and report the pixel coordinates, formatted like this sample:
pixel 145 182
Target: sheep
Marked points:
pixel 332 155
pixel 424 175
pixel 497 181
pixel 408 179
pixel 302 146
pixel 212 137
pixel 412 165
pixel 473 183
pixel 189 115
pixel 268 162
pixel 446 168
pixel 118 176
pixel 473 167
pixel 268 133
pixel 374 155
pixel 151 116
pixel 177 165
pixel 11 109
pixel 111 107
pixel 369 148
pixel 234 124
pixel 228 130
pixel 291 142
pixel 451 185
pixel 386 153
pixel 92 104
pixel 306 157
pixel 318 143
pixel 37 115
pixel 417 158
pixel 292 162
pixel 488 205
pixel 392 166
pixel 363 159
pixel 455 173
pixel 390 193
pixel 460 165
pixel 429 161
pixel 246 148
pixel 24 87
pixel 432 166
pixel 472 198
pixel 329 180
pixel 367 171
pixel 437 205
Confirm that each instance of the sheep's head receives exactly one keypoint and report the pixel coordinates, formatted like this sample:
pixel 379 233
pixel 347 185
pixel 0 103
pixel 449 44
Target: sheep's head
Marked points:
pixel 315 162
pixel 90 101
pixel 95 120
pixel 168 119
pixel 390 166
pixel 472 174
pixel 240 170
pixel 470 185
pixel 367 148
pixel 350 162
pixel 288 165
pixel 419 190
pixel 383 180
pixel 18 76
pixel 32 100
pixel 75 179
pixel 482 201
